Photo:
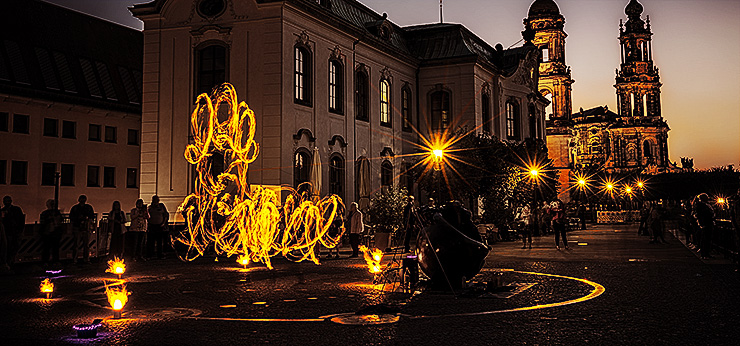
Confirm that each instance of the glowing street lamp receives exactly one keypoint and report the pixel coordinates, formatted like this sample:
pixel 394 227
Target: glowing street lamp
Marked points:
pixel 47 287
pixel 243 260
pixel 609 187
pixel 640 184
pixel 437 155
pixel 628 190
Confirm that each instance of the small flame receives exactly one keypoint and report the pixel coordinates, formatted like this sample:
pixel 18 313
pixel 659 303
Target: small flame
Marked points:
pixel 47 286
pixel 243 260
pixel 117 296
pixel 373 258
pixel 116 266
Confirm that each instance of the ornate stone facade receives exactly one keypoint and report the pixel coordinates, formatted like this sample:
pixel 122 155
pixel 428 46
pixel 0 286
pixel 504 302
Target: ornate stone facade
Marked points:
pixel 633 140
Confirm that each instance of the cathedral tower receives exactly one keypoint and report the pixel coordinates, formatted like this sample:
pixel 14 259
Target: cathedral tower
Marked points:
pixel 546 22
pixel 638 83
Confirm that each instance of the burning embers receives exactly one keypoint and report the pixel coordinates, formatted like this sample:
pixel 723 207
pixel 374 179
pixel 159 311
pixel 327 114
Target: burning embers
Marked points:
pixel 116 266
pixel 47 287
pixel 117 297
pixel 373 258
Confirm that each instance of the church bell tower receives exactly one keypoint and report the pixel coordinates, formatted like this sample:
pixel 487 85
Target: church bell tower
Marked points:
pixel 546 22
pixel 637 82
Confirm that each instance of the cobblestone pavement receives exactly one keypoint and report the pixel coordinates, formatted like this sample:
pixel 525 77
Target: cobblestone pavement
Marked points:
pixel 653 294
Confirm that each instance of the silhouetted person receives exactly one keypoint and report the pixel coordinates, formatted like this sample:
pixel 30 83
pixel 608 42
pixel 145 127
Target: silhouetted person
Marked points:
pixel 525 218
pixel 50 222
pixel 655 223
pixel 356 227
pixel 735 216
pixel 4 268
pixel 558 224
pixel 137 230
pixel 13 221
pixel 409 222
pixel 82 217
pixel 117 230
pixel 157 228
pixel 581 211
pixel 704 215
pixel 336 229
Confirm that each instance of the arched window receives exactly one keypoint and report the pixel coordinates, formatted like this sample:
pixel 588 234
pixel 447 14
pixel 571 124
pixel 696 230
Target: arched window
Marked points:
pixel 386 173
pixel 362 95
pixel 485 101
pixel 302 75
pixel 336 175
pixel 440 101
pixel 362 178
pixel 336 87
pixel 406 122
pixel 301 166
pixel 512 120
pixel 385 103
pixel 647 150
pixel 211 71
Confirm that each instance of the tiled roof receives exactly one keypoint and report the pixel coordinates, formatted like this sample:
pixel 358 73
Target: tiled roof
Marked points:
pixel 50 52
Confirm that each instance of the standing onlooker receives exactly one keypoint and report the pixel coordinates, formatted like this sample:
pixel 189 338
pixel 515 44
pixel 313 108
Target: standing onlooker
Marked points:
pixel 356 227
pixel 735 216
pixel 546 218
pixel 704 215
pixel 157 229
pixel 655 223
pixel 409 222
pixel 581 212
pixel 51 231
pixel 336 229
pixel 117 230
pixel 644 215
pixel 139 217
pixel 4 268
pixel 82 216
pixel 558 223
pixel 14 220
pixel 525 219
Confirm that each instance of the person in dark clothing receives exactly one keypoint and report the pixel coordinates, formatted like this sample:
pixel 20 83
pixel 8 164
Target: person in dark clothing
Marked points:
pixel 82 217
pixel 51 231
pixel 157 228
pixel 735 216
pixel 13 220
pixel 704 215
pixel 117 230
pixel 581 211
pixel 558 224
pixel 4 268
pixel 409 222
pixel 655 223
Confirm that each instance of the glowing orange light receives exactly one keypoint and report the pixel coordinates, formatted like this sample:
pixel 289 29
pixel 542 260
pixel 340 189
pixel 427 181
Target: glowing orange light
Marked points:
pixel 640 184
pixel 117 296
pixel 373 258
pixel 720 200
pixel 609 186
pixel 243 260
pixel 47 287
pixel 116 266
pixel 628 189
pixel 226 213
pixel 581 182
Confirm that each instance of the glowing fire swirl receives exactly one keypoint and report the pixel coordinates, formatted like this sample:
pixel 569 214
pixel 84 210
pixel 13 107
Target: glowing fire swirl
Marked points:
pixel 225 213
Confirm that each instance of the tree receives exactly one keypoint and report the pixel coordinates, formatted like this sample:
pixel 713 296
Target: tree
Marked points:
pixel 386 209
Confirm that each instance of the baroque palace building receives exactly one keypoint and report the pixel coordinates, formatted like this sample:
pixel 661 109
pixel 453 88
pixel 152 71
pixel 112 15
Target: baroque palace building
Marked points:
pixel 328 80
pixel 632 141
pixel 70 102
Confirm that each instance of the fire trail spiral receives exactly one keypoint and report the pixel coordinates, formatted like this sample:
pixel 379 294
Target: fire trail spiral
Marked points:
pixel 226 214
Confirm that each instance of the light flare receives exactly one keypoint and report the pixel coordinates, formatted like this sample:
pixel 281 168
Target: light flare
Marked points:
pixel 117 296
pixel 225 213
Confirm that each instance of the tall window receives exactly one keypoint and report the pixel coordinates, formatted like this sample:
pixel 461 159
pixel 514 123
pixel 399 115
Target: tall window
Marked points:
pixel 47 173
pixel 386 173
pixel 486 112
pixel 3 171
pixel 131 178
pixel 211 68
pixel 111 134
pixel 68 175
pixel 545 54
pixel 336 176
pixel 406 123
pixel 69 129
pixel 21 123
pixel 646 149
pixel 336 87
pixel 109 176
pixel 4 121
pixel 133 137
pixel 93 176
pixel 385 103
pixel 301 167
pixel 440 110
pixel 362 96
pixel 512 120
pixel 19 172
pixel 51 127
pixel 302 76
pixel 93 133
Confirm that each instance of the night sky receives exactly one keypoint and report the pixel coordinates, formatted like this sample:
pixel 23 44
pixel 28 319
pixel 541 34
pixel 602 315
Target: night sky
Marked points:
pixel 696 46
